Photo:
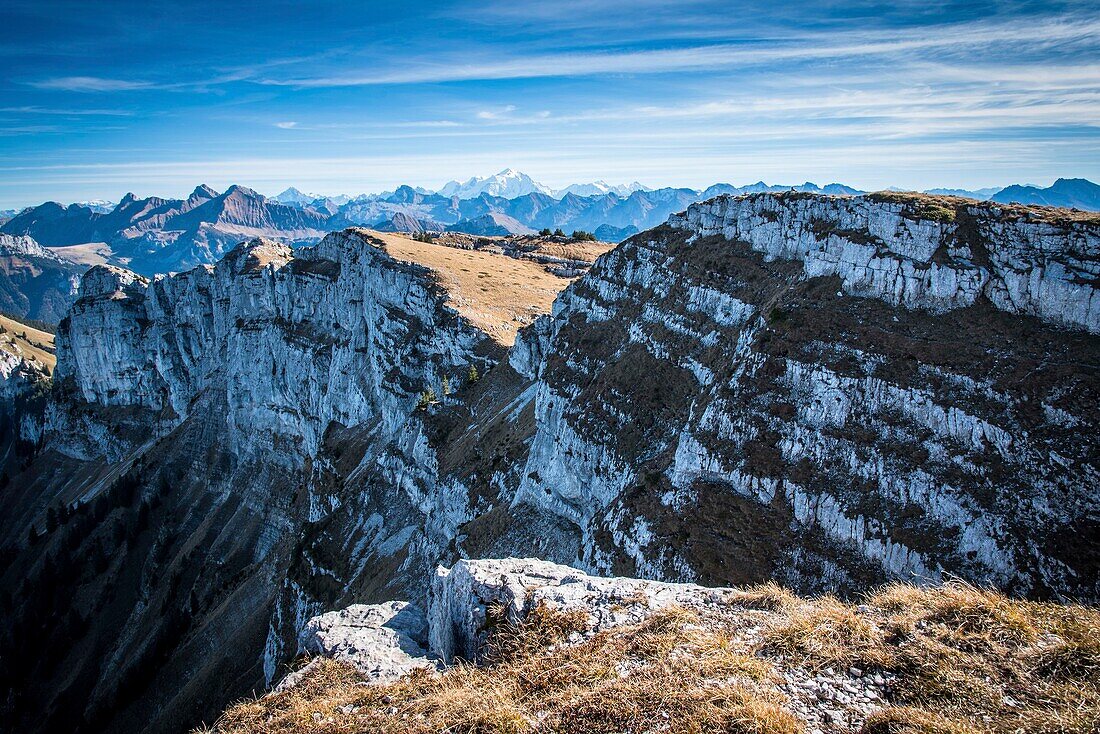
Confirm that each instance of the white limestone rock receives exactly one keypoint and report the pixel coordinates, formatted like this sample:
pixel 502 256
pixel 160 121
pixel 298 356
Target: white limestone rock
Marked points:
pixel 383 641
pixel 462 595
pixel 18 376
pixel 882 249
pixel 24 245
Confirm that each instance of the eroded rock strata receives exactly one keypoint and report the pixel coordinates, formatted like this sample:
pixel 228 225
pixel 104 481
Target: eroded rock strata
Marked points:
pixel 827 391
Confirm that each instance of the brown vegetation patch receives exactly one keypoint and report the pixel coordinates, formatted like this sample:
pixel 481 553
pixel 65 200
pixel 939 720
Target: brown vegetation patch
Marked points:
pixel 667 673
pixel 497 293
pixel 27 342
pixel 959 660
pixel 966 658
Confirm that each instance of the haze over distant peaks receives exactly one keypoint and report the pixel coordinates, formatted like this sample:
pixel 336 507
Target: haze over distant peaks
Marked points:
pixel 1078 193
pixel 597 188
pixel 979 194
pixel 155 235
pixel 294 197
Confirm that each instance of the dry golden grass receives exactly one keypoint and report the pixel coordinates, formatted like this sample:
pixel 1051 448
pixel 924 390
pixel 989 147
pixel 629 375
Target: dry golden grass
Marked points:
pixel 769 596
pixel 905 720
pixel 945 208
pixel 965 658
pixel 36 344
pixel 961 660
pixel 667 673
pixel 497 293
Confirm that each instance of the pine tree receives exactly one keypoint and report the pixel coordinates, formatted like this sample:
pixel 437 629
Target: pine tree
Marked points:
pixel 472 376
pixel 426 398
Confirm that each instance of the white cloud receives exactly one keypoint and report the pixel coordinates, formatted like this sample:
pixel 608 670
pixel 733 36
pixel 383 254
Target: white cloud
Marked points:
pixel 32 110
pixel 945 39
pixel 496 114
pixel 90 84
pixel 286 125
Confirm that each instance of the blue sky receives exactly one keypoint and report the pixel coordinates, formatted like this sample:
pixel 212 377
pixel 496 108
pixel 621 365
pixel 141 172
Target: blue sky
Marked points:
pixel 100 99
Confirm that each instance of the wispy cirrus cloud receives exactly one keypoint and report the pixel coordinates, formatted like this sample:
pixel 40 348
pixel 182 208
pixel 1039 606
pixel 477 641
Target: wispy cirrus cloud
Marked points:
pixel 90 84
pixel 948 39
pixel 371 95
pixel 34 110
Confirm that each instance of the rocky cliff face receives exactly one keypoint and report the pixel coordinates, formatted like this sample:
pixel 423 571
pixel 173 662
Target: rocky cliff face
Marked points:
pixel 828 391
pixel 35 283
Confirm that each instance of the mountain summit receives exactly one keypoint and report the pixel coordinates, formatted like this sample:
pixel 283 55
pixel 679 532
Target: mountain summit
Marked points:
pixel 508 184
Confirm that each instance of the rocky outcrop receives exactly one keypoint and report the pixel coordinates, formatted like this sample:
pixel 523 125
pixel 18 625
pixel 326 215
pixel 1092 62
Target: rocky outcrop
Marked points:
pixel 462 598
pixel 383 641
pixel 22 245
pixel 559 650
pixel 297 342
pixel 19 376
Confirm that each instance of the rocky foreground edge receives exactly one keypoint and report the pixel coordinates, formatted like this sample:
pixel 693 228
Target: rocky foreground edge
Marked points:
pixel 387 641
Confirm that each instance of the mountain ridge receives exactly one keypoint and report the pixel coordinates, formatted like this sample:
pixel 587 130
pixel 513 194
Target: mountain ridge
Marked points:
pixel 157 235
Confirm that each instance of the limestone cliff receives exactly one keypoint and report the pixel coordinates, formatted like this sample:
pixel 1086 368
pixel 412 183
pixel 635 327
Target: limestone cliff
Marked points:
pixel 829 391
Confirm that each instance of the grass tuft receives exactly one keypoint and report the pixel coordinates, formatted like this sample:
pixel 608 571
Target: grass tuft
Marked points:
pixel 905 720
pixel 769 597
pixel 826 632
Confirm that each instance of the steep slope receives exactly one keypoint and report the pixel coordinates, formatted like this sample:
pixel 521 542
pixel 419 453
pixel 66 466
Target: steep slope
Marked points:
pixel 54 224
pixel 28 343
pixel 401 222
pixel 34 282
pixel 833 391
pixel 27 360
pixel 205 227
pixel 830 389
pixel 184 447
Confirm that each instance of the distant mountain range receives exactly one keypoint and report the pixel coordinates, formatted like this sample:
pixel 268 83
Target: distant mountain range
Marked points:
pixel 155 235
pixel 1076 193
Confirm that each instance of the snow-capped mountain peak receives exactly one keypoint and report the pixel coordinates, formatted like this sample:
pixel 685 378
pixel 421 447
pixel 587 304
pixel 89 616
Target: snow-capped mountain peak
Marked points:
pixel 294 197
pixel 601 188
pixel 509 184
